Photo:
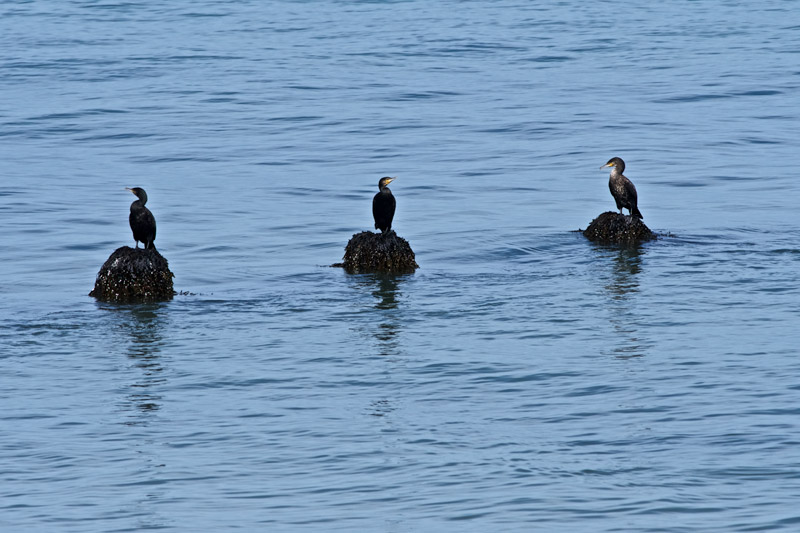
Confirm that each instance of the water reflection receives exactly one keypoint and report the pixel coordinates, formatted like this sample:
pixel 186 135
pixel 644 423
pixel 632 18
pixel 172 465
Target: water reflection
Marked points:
pixel 384 326
pixel 627 263
pixel 139 333
pixel 144 350
pixel 381 407
pixel 384 323
pixel 140 329
pixel 622 286
pixel 385 292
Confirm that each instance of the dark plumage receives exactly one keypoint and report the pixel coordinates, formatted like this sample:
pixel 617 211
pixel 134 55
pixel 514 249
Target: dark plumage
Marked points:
pixel 143 223
pixel 622 188
pixel 383 206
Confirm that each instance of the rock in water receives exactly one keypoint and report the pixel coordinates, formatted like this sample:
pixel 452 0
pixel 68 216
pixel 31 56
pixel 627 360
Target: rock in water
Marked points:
pixel 614 227
pixel 134 275
pixel 379 252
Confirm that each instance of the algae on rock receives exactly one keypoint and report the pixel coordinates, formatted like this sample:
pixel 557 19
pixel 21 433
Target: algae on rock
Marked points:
pixel 134 275
pixel 378 252
pixel 612 227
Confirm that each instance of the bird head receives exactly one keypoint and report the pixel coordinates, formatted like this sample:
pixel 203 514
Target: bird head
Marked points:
pixel 616 162
pixel 383 182
pixel 139 192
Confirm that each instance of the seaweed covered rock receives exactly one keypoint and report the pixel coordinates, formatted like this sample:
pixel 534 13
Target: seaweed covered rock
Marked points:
pixel 378 252
pixel 612 227
pixel 134 275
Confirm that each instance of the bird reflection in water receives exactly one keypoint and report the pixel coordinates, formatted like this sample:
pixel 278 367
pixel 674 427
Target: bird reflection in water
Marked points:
pixel 385 326
pixel 142 325
pixel 139 330
pixel 381 407
pixel 385 291
pixel 627 264
pixel 622 287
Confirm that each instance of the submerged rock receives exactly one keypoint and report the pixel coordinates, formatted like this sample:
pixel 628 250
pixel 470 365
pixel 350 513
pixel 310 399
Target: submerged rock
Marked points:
pixel 134 275
pixel 614 227
pixel 378 252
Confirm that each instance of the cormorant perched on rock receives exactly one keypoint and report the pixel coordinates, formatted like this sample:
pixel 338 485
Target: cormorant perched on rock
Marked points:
pixel 383 206
pixel 143 223
pixel 622 188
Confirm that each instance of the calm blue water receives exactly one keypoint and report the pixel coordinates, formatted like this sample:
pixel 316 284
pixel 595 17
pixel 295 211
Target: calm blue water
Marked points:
pixel 523 379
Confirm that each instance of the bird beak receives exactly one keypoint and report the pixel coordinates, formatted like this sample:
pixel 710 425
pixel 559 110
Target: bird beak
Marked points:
pixel 606 165
pixel 392 179
pixel 128 189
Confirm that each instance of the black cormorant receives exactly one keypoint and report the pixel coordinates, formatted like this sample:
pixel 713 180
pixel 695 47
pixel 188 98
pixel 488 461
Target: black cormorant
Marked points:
pixel 383 206
pixel 622 188
pixel 143 224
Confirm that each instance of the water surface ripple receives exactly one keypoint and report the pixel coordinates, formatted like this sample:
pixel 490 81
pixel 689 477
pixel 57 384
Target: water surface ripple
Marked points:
pixel 522 380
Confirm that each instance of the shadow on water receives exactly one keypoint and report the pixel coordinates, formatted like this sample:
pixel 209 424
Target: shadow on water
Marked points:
pixel 621 287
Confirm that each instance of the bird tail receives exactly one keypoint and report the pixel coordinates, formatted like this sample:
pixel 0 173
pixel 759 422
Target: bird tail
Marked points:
pixel 637 213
